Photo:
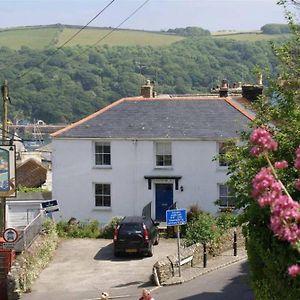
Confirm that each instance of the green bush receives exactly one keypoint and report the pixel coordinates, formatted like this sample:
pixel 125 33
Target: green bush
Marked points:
pixel 108 231
pixel 226 220
pixel 193 212
pixel 268 260
pixel 202 229
pixel 89 229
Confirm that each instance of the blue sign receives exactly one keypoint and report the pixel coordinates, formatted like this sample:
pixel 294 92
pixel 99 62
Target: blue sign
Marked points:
pixel 176 217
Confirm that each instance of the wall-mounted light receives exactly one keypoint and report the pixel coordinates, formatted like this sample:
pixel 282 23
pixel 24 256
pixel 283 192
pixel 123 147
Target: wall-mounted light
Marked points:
pixel 181 188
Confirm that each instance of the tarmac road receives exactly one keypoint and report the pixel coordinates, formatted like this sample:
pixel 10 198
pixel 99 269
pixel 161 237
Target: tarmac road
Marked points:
pixel 228 283
pixel 83 268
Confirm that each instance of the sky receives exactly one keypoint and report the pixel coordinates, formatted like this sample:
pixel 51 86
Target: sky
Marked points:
pixel 214 15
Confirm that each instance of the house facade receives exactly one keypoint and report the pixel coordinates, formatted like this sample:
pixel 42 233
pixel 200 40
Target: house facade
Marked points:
pixel 145 155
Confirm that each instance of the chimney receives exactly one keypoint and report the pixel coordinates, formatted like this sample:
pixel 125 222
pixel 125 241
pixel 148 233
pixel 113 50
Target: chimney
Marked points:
pixel 223 92
pixel 259 79
pixel 147 90
pixel 252 92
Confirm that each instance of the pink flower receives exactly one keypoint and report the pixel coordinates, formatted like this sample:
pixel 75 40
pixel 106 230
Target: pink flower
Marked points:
pixel 285 213
pixel 255 151
pixel 297 184
pixel 265 187
pixel 281 164
pixel 263 141
pixel 294 270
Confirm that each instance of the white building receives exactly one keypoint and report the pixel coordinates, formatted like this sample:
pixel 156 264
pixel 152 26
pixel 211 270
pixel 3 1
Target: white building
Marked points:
pixel 138 151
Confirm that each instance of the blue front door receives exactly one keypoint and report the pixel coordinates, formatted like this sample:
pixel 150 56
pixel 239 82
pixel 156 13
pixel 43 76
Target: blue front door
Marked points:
pixel 163 200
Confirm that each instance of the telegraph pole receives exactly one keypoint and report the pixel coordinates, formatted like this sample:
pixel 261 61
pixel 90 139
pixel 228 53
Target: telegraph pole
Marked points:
pixel 5 98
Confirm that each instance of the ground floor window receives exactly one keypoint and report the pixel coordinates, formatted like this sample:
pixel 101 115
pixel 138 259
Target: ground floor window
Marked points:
pixel 226 197
pixel 102 195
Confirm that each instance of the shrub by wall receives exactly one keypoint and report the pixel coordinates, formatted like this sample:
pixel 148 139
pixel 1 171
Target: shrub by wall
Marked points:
pixel 76 229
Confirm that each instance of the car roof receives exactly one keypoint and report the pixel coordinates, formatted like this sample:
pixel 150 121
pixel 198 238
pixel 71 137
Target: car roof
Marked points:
pixel 135 219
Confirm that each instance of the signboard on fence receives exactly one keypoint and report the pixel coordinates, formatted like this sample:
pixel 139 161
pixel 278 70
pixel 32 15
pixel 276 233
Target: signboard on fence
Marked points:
pixel 7 171
pixel 176 217
pixel 50 206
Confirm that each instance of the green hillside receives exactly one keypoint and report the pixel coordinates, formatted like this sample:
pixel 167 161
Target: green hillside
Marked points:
pixel 76 81
pixel 40 37
pixel 249 36
pixel 32 37
pixel 118 37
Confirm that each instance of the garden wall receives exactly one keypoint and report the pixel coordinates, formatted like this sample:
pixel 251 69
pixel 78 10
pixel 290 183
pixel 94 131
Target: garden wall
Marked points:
pixel 167 267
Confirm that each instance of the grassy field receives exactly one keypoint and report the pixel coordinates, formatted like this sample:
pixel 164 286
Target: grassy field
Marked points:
pixel 41 37
pixel 36 38
pixel 251 37
pixel 118 38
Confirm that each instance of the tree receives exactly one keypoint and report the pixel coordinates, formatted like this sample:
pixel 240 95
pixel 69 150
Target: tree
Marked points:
pixel 279 113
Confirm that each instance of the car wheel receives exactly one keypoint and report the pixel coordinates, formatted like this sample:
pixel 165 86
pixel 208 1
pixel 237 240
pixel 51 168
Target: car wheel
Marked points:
pixel 157 240
pixel 150 251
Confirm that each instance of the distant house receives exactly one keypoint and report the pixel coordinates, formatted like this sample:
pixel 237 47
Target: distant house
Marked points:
pixel 146 152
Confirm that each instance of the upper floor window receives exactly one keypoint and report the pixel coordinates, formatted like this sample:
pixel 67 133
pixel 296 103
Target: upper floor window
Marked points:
pixel 102 195
pixel 223 149
pixel 163 154
pixel 102 154
pixel 226 197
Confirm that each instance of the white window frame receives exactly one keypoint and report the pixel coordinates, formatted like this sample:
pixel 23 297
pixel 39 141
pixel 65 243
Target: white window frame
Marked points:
pixel 164 150
pixel 103 195
pixel 103 155
pixel 225 197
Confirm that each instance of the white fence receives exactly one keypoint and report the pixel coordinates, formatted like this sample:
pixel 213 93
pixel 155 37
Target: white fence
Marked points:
pixel 30 232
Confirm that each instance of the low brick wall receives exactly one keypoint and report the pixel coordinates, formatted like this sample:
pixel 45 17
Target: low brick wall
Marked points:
pixel 167 267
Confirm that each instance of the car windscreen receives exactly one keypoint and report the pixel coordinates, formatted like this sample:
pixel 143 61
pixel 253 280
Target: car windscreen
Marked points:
pixel 130 228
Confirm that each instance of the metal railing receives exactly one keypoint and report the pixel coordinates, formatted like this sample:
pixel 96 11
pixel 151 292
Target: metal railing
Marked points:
pixel 147 210
pixel 30 232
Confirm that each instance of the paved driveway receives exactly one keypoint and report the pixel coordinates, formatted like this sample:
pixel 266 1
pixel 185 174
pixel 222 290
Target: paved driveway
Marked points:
pixel 83 268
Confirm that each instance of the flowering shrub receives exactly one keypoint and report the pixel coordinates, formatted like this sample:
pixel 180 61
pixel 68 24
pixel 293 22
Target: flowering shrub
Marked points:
pixel 269 191
pixel 257 171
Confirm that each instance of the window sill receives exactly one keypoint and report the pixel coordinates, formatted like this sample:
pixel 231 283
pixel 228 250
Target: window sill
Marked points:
pixel 226 208
pixel 102 208
pixel 102 167
pixel 163 167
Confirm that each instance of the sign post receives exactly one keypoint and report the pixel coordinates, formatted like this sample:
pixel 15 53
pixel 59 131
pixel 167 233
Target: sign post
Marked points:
pixel 10 235
pixel 7 161
pixel 177 217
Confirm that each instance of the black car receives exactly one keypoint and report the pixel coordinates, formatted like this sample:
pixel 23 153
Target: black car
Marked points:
pixel 136 234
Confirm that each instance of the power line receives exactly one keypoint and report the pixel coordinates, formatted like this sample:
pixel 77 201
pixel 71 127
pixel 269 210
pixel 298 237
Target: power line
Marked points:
pixel 109 33
pixel 68 40
pixel 114 29
pixel 97 15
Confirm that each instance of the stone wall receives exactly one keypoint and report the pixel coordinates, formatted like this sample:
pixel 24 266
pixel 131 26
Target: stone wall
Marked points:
pixel 167 267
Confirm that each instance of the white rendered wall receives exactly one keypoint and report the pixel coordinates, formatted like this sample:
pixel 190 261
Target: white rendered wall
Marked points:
pixel 74 174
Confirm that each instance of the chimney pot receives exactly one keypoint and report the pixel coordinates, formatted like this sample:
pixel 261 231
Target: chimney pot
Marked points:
pixel 224 88
pixel 259 79
pixel 147 90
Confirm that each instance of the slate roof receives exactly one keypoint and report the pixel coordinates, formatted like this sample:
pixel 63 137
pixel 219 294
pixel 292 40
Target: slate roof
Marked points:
pixel 165 118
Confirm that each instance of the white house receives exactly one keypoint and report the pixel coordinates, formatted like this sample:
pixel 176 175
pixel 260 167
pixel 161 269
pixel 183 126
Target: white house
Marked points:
pixel 139 150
